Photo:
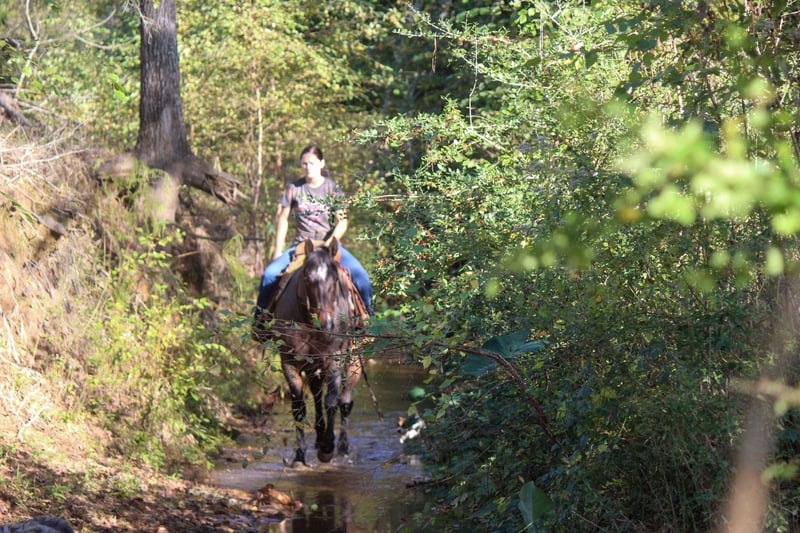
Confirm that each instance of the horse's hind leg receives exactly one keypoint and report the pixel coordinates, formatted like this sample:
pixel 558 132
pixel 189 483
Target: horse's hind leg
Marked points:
pixel 352 373
pixel 345 408
pixel 295 381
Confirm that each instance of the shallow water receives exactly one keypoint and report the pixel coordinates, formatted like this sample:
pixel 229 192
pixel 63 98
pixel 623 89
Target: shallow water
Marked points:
pixel 366 491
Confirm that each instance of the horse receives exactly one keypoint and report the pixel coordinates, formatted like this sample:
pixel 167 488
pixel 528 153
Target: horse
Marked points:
pixel 312 317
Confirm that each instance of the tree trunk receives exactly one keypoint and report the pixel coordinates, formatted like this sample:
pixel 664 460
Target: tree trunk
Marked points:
pixel 162 132
pixel 162 141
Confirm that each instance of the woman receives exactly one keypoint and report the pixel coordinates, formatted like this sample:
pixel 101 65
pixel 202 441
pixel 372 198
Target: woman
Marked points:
pixel 312 199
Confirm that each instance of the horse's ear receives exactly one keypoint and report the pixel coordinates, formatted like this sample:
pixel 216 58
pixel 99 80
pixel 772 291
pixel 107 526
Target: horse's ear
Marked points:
pixel 309 247
pixel 334 247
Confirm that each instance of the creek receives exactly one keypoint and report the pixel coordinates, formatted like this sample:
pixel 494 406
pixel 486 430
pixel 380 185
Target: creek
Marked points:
pixel 366 491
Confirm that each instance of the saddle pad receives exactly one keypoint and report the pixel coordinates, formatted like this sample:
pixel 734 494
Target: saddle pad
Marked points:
pixel 360 312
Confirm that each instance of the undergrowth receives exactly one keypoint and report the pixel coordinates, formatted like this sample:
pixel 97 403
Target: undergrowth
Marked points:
pixel 98 330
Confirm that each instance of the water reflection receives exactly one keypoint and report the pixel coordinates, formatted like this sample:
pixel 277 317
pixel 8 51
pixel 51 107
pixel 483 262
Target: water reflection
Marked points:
pixel 334 512
pixel 365 492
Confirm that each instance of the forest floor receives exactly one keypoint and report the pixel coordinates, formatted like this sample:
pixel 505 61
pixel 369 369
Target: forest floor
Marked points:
pixel 104 495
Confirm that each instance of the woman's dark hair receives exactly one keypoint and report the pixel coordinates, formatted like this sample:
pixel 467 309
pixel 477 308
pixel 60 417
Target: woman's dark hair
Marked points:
pixel 313 149
pixel 316 151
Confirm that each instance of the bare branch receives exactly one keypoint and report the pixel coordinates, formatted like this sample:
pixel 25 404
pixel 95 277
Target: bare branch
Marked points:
pixel 7 105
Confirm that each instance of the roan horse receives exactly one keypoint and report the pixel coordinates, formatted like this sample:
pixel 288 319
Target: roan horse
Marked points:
pixel 313 318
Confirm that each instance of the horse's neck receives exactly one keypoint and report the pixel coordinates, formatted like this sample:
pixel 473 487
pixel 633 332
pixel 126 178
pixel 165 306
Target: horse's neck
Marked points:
pixel 286 306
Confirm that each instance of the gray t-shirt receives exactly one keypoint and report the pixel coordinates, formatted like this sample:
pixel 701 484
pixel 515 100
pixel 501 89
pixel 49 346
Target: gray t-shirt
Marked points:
pixel 312 208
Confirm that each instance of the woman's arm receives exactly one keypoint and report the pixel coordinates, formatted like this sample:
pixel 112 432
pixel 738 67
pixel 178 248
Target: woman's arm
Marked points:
pixel 339 229
pixel 281 229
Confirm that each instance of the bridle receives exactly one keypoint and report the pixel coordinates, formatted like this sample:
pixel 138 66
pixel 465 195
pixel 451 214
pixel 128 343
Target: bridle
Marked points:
pixel 303 299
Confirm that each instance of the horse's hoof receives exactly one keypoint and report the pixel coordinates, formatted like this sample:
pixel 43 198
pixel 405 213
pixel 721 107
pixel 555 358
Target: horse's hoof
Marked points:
pixel 299 459
pixel 302 465
pixel 324 457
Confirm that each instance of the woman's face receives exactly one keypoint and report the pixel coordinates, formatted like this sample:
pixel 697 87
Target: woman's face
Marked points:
pixel 311 165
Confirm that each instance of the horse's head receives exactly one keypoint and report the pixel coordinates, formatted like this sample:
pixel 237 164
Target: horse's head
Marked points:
pixel 325 294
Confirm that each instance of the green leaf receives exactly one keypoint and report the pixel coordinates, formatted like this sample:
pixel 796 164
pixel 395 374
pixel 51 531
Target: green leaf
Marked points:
pixel 416 394
pixel 475 365
pixel 534 503
pixel 506 346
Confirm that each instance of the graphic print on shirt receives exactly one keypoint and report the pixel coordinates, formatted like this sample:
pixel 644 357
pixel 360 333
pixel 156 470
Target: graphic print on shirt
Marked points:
pixel 312 208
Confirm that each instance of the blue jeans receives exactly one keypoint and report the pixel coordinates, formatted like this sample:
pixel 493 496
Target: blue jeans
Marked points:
pixel 269 279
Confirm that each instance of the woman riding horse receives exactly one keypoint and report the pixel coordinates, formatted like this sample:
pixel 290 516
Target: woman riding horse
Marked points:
pixel 312 320
pixel 317 348
pixel 311 199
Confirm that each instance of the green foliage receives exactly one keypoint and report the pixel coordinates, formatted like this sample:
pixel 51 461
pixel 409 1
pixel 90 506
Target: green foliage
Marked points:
pixel 507 346
pixel 284 78
pixel 641 255
pixel 154 362
pixel 78 64
pixel 534 504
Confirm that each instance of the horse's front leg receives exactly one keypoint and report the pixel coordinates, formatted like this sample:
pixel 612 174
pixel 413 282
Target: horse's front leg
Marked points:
pixel 328 443
pixel 352 373
pixel 315 385
pixel 295 381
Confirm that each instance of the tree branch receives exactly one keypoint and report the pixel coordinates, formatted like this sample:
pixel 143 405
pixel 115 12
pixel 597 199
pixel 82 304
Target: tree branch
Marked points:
pixel 7 104
pixel 199 174
pixel 511 369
